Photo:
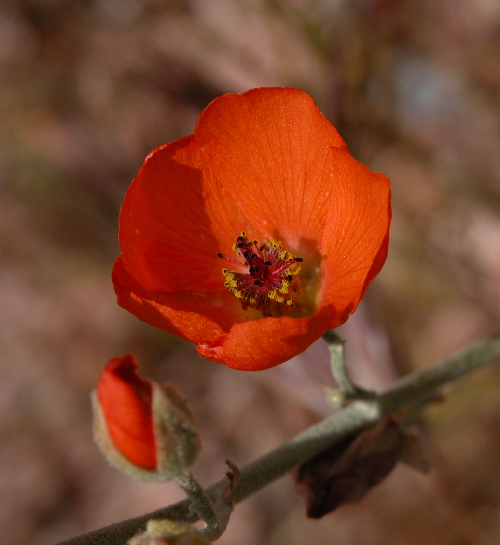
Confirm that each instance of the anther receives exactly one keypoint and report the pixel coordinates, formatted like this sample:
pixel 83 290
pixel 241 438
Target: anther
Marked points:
pixel 271 277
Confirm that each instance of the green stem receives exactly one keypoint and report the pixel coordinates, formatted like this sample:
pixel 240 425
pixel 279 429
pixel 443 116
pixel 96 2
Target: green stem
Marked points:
pixel 346 422
pixel 347 390
pixel 201 504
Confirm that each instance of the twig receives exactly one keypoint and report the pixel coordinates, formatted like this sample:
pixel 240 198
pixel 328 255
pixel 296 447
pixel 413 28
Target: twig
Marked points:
pixel 346 422
pixel 201 504
pixel 347 390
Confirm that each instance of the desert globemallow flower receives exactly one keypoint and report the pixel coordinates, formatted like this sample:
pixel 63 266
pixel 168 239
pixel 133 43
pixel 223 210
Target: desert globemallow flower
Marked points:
pixel 256 234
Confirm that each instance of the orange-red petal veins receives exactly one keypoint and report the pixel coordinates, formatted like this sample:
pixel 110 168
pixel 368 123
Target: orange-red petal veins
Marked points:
pixel 260 344
pixel 189 315
pixel 125 400
pixel 270 150
pixel 174 220
pixel 354 244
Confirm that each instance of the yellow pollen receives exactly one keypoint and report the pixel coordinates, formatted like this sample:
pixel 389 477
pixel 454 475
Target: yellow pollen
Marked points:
pixel 271 278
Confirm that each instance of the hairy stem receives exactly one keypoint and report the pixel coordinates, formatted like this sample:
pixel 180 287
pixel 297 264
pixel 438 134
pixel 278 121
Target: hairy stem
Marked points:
pixel 201 504
pixel 347 390
pixel 350 420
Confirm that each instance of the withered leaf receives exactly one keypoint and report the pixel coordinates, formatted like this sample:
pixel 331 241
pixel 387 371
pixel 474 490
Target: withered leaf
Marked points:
pixel 346 471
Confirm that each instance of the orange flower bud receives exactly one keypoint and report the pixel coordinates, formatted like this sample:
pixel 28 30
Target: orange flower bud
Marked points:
pixel 125 400
pixel 144 429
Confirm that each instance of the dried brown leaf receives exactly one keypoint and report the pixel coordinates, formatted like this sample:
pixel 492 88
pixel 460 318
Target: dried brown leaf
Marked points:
pixel 345 472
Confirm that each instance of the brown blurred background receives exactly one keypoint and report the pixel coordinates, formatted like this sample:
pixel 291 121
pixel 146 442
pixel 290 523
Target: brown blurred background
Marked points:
pixel 87 89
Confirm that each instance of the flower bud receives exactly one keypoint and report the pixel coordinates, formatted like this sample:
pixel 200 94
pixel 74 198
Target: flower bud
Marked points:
pixel 169 532
pixel 143 428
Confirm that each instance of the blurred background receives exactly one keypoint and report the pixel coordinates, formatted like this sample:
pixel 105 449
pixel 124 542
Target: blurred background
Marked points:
pixel 87 89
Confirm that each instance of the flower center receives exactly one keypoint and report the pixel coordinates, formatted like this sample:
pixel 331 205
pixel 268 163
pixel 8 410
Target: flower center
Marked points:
pixel 271 278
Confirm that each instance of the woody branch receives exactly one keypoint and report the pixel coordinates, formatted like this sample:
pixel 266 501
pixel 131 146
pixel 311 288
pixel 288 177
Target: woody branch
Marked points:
pixel 352 419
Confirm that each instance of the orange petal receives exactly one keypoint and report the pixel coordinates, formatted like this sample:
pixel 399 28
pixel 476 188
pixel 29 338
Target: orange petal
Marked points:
pixel 189 315
pixel 354 245
pixel 125 400
pixel 270 149
pixel 250 345
pixel 174 220
pixel 264 343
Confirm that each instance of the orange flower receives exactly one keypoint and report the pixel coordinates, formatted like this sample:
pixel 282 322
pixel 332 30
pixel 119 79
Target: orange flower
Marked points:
pixel 267 184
